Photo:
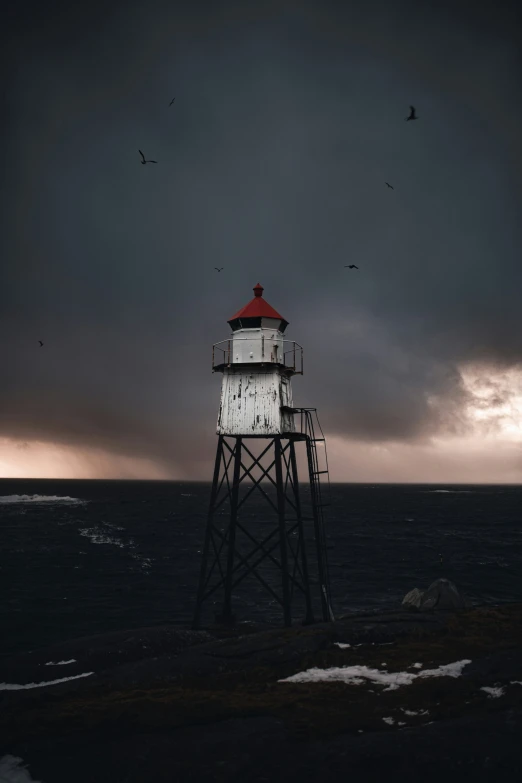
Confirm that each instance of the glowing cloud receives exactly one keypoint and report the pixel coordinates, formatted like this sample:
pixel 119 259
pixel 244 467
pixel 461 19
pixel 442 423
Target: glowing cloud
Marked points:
pixel 495 406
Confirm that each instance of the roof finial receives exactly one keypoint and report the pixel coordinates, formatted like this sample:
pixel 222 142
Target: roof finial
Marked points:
pixel 258 290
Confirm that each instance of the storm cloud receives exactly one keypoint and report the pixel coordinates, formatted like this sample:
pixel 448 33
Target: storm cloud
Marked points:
pixel 288 120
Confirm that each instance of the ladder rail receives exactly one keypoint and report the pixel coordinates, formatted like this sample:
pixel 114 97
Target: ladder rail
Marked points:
pixel 322 533
pixel 329 503
pixel 317 500
pixel 325 454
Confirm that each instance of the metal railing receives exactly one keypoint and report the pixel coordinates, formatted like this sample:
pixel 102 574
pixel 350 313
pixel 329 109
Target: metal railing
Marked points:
pixel 221 356
pixel 292 358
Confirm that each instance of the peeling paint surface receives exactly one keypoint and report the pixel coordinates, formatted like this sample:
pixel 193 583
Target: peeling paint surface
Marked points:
pixel 251 400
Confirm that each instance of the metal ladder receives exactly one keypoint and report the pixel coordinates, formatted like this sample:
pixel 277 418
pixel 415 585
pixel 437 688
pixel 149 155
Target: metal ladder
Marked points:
pixel 318 503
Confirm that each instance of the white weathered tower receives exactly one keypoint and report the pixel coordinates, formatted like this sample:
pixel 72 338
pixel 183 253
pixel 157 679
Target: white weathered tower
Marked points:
pixel 256 405
pixel 257 365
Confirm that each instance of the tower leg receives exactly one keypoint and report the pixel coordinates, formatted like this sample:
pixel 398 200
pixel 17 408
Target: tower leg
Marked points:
pixel 227 607
pixel 236 549
pixel 309 617
pixel 208 534
pixel 319 539
pixel 282 530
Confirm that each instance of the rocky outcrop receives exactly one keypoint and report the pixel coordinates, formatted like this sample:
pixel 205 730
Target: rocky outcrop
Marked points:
pixel 441 594
pixel 413 599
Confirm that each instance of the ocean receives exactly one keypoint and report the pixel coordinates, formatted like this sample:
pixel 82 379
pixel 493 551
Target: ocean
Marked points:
pixel 79 558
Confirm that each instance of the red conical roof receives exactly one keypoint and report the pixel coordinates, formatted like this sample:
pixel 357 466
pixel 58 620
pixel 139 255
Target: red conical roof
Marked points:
pixel 257 308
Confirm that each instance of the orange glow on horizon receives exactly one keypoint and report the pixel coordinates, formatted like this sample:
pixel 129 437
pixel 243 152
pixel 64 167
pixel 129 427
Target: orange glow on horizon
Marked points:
pixel 490 451
pixel 442 460
pixel 35 459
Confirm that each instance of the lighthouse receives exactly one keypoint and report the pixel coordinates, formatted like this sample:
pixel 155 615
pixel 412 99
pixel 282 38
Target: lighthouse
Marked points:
pixel 263 525
pixel 256 393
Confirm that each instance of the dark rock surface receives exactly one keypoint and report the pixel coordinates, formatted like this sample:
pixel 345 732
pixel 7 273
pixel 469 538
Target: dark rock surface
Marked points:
pixel 168 705
pixel 149 655
pixel 258 750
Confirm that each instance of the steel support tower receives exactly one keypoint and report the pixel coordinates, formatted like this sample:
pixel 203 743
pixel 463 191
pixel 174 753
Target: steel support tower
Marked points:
pixel 262 524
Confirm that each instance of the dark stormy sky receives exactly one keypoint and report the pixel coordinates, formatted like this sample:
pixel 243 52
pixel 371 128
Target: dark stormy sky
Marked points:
pixel 288 120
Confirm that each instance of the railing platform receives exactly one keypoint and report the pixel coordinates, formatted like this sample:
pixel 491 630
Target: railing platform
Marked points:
pixel 222 356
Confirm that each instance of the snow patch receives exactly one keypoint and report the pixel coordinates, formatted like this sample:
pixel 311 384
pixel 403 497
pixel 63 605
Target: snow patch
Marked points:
pixel 341 645
pixel 7 686
pixel 13 770
pixel 356 675
pixel 60 663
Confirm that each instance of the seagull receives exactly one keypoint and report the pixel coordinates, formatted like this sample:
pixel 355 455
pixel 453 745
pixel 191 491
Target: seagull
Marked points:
pixel 218 270
pixel 350 266
pixel 412 114
pixel 41 343
pixel 172 101
pixel 390 186
pixel 143 162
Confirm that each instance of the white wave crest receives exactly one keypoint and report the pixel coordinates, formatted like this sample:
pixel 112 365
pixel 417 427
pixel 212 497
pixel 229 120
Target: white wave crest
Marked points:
pixel 6 499
pixel 97 536
pixel 493 693
pixel 449 491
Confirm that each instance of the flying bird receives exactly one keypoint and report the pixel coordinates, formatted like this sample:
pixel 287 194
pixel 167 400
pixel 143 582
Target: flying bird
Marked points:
pixel 143 162
pixel 350 266
pixel 219 270
pixel 390 186
pixel 41 343
pixel 412 114
pixel 172 101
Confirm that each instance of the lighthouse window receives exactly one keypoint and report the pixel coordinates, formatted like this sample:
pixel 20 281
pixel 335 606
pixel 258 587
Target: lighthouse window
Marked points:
pixel 245 323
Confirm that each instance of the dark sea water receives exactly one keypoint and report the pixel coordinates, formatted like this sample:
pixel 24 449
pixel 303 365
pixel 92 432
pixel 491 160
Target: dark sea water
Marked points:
pixel 85 557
